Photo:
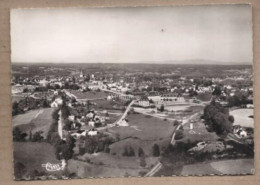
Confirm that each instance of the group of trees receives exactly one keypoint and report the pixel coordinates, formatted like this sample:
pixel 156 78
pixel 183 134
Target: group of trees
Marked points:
pixel 28 103
pixel 92 144
pixel 64 148
pixel 239 99
pixel 217 118
pixel 20 136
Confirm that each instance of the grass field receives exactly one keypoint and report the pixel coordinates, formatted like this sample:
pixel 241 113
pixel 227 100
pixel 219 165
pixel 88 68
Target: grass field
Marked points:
pixel 198 133
pixel 34 154
pixel 204 96
pixel 142 132
pixel 242 117
pixel 227 167
pixel 145 128
pixel 84 170
pixel 118 161
pixel 89 94
pixel 35 120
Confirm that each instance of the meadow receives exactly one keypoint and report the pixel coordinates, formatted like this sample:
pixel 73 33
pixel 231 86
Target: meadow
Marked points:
pixel 142 132
pixel 34 120
pixel 242 117
pixel 34 154
pixel 89 94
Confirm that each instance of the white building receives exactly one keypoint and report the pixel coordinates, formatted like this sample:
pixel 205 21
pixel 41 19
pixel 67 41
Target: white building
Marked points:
pixel 57 102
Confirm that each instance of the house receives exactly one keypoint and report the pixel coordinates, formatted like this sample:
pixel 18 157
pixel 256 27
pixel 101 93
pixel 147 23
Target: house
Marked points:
pixel 92 132
pixel 239 131
pixel 71 117
pixel 143 102
pixel 43 82
pixel 91 123
pixel 123 123
pixel 90 115
pixel 250 106
pixel 57 102
pixel 79 133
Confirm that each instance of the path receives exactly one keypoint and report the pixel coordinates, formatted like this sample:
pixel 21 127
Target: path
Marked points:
pixel 121 118
pixel 60 125
pixel 154 170
pixel 126 111
pixel 179 126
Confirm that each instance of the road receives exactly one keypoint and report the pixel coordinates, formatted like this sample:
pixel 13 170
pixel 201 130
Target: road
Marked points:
pixel 179 126
pixel 120 119
pixel 153 115
pixel 60 125
pixel 125 113
pixel 158 166
pixel 155 169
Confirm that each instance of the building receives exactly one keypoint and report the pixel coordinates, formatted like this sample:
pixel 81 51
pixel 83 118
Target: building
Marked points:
pixel 57 102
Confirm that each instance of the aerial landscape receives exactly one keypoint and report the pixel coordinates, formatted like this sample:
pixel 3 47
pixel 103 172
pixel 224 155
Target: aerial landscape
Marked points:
pixel 132 92
pixel 108 120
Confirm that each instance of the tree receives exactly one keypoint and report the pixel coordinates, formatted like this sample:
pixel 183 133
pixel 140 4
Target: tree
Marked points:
pixel 131 152
pixel 178 135
pixel 176 123
pixel 216 118
pixel 140 152
pixel 156 150
pixel 217 91
pixel 231 118
pixel 18 135
pixel 142 161
pixel 162 108
pixel 19 170
pixel 45 103
pixel 37 137
pixel 125 153
pixel 15 109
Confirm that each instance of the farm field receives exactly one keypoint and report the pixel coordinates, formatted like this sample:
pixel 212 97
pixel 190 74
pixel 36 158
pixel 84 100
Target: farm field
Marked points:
pixel 89 95
pixel 228 167
pixel 118 161
pixel 142 132
pixel 34 154
pixel 198 133
pixel 242 117
pixel 83 170
pixel 145 128
pixel 35 120
pixel 106 104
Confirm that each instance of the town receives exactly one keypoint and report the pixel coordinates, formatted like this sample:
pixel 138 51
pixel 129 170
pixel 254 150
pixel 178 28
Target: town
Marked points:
pixel 122 120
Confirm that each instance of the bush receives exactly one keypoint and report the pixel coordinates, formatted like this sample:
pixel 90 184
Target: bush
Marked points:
pixel 156 150
pixel 179 135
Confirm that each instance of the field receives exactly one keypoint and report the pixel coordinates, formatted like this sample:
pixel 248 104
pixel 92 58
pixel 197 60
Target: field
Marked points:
pixel 144 132
pixel 107 105
pixel 204 96
pixel 83 170
pixel 228 167
pixel 89 95
pixel 35 120
pixel 118 161
pixel 198 133
pixel 242 117
pixel 34 154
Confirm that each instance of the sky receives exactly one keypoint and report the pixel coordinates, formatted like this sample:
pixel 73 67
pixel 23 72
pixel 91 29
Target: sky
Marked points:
pixel 213 33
